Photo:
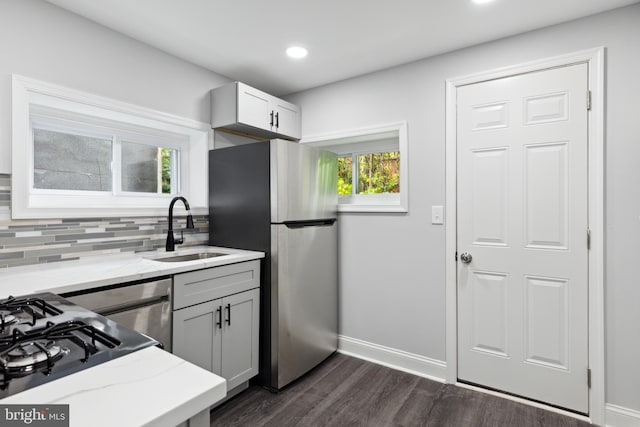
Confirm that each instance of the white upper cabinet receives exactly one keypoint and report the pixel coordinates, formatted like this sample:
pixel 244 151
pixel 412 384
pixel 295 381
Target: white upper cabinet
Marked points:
pixel 254 107
pixel 239 108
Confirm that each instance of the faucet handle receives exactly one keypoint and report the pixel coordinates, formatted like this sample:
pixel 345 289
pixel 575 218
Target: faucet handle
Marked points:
pixel 181 239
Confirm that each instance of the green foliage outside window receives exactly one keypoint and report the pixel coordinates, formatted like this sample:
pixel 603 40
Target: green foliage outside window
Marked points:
pixel 377 173
pixel 345 186
pixel 166 170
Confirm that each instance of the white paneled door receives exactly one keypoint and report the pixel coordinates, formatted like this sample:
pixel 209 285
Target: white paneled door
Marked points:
pixel 522 235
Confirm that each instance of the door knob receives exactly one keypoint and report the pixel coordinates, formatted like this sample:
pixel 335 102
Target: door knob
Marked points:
pixel 466 257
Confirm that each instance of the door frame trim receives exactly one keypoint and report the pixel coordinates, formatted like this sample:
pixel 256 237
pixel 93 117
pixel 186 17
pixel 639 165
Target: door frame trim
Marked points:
pixel 595 60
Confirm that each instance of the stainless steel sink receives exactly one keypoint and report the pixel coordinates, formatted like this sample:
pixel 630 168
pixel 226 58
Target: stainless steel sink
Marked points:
pixel 189 257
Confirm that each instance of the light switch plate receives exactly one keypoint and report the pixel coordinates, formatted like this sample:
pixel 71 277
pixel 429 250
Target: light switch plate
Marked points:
pixel 437 215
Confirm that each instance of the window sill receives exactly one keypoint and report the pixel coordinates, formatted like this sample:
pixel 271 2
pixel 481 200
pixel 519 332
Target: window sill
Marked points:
pixel 61 213
pixel 372 208
pixel 381 203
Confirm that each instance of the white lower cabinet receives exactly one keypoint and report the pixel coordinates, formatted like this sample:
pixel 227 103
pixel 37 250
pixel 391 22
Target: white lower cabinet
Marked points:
pixel 220 334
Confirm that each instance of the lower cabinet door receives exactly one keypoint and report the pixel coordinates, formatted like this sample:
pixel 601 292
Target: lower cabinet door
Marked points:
pixel 221 336
pixel 197 335
pixel 240 337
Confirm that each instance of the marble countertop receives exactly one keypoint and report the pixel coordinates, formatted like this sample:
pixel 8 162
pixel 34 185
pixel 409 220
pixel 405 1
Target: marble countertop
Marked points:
pixel 150 387
pixel 102 270
pixel 147 388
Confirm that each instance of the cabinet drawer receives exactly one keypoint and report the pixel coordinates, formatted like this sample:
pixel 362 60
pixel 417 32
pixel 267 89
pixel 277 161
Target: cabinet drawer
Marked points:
pixel 200 286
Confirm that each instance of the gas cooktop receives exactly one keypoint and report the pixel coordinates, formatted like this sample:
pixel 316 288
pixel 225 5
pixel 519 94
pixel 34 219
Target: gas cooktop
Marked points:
pixel 44 337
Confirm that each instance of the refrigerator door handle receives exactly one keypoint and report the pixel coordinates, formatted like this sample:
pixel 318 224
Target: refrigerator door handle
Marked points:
pixel 312 223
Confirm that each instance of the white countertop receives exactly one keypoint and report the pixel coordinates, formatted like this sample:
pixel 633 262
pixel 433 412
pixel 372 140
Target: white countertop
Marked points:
pixel 150 387
pixel 102 270
pixel 147 388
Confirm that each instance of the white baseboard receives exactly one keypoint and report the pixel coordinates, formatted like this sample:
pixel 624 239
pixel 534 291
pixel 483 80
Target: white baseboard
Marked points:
pixel 617 416
pixel 393 358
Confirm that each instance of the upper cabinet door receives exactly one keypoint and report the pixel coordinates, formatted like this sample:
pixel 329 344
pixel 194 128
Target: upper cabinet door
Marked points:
pixel 254 107
pixel 287 118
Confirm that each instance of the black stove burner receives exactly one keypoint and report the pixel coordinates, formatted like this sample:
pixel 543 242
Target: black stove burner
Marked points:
pixel 44 337
pixel 31 356
pixel 6 319
pixel 22 353
pixel 25 310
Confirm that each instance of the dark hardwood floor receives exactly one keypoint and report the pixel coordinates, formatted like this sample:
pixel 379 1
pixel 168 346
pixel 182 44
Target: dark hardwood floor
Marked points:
pixel 345 391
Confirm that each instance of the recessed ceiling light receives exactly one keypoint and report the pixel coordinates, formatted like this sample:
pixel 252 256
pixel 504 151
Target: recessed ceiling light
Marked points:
pixel 297 52
pixel 482 1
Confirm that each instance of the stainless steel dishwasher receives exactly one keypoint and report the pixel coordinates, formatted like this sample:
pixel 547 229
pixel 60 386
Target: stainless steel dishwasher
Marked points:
pixel 144 306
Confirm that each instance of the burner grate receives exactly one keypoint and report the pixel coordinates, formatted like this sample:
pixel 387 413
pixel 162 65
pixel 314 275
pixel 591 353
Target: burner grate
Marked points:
pixel 6 319
pixel 42 346
pixel 23 358
pixel 31 308
pixel 44 337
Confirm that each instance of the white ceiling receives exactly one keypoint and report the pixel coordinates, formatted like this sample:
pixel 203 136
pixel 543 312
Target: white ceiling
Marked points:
pixel 245 39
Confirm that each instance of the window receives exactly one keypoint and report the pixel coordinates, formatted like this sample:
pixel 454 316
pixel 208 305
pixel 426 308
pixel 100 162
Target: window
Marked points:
pixel 372 168
pixel 369 173
pixel 75 153
pixel 69 161
pixel 88 156
pixel 149 168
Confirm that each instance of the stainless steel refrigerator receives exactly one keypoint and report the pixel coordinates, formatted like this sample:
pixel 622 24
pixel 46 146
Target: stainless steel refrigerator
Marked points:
pixel 280 197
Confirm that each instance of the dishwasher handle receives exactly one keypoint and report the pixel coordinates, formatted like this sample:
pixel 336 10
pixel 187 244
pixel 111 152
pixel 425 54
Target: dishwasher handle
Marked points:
pixel 116 298
pixel 134 305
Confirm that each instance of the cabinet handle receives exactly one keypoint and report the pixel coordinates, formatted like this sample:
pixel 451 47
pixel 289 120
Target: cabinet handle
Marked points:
pixel 228 314
pixel 219 313
pixel 277 120
pixel 271 122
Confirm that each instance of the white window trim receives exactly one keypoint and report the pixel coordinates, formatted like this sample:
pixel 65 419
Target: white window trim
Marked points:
pixel 370 202
pixel 27 203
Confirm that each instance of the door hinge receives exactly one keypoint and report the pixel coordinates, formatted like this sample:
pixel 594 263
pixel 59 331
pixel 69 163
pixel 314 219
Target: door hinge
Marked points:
pixel 588 377
pixel 588 239
pixel 588 100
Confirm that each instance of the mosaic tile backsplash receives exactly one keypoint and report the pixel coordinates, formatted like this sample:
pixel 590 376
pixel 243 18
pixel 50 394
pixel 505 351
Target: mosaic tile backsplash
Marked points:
pixel 5 190
pixel 24 242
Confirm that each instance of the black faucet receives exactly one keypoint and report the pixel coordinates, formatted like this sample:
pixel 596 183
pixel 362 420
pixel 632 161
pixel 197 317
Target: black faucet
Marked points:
pixel 171 241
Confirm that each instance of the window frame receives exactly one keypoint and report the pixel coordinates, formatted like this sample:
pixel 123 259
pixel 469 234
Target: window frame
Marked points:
pixel 117 136
pixel 374 139
pixel 61 109
pixel 176 169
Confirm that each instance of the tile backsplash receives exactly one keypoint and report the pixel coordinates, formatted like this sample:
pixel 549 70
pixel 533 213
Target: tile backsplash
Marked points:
pixel 24 242
pixel 5 191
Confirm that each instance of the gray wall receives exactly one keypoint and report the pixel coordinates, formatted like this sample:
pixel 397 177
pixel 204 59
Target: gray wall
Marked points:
pixel 392 266
pixel 41 41
pixel 44 42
